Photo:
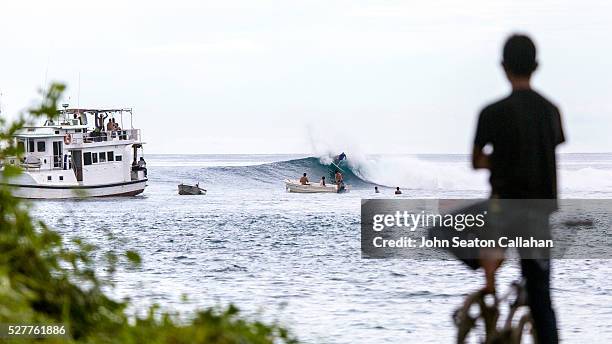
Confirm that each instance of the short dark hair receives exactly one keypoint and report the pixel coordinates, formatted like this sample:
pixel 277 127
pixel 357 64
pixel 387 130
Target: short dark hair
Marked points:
pixel 304 174
pixel 519 56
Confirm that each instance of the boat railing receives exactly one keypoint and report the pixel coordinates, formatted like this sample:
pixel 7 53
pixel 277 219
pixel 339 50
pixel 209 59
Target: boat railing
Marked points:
pixel 38 162
pixel 103 136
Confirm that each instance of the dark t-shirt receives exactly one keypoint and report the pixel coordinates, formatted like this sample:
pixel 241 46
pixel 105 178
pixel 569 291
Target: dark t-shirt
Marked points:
pixel 524 130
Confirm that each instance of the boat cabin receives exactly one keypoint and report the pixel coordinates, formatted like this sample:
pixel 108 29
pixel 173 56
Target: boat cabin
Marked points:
pixel 82 146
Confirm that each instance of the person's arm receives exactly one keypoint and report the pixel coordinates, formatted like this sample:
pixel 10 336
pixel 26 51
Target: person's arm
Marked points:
pixel 483 137
pixel 558 128
pixel 479 158
pixel 490 267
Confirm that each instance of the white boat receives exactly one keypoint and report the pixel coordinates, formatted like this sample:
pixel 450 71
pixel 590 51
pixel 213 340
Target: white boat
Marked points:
pixel 66 158
pixel 297 187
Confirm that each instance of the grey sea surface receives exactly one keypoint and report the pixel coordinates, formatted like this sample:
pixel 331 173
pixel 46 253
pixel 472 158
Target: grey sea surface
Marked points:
pixel 296 258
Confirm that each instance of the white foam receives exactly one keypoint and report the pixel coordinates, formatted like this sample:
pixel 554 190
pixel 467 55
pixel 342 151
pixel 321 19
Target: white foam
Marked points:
pixel 408 171
pixel 586 179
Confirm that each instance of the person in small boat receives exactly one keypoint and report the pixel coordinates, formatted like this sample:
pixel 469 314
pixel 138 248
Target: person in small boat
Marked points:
pixel 304 180
pixel 339 180
pixel 322 183
pixel 398 191
pixel 376 189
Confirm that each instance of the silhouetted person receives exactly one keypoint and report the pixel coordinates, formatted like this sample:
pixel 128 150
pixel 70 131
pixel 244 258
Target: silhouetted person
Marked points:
pixel 523 130
pixel 322 183
pixel 142 166
pixel 398 191
pixel 376 189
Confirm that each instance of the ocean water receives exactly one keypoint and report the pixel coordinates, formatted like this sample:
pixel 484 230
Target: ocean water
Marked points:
pixel 295 258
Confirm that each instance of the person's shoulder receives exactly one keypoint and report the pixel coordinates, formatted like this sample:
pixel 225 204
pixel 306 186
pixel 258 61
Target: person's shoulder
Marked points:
pixel 496 106
pixel 546 101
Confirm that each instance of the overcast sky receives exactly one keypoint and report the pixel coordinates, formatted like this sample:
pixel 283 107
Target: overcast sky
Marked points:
pixel 286 76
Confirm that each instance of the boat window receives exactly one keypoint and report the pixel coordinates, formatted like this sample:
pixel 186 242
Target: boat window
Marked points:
pixel 49 178
pixel 57 154
pixel 102 156
pixel 94 158
pixel 61 177
pixel 41 146
pixel 118 158
pixel 21 145
pixel 31 145
pixel 87 158
pixel 110 155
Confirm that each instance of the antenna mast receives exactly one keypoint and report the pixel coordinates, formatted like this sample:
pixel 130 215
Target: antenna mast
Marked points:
pixel 79 92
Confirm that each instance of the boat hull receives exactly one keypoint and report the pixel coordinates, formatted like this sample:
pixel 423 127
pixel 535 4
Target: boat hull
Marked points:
pixel 30 191
pixel 295 187
pixel 190 190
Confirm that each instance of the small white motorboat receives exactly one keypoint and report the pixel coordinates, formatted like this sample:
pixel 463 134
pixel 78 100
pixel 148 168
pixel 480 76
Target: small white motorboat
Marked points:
pixel 184 189
pixel 297 187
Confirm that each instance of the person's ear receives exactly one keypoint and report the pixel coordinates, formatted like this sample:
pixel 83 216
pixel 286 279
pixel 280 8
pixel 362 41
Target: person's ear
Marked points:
pixel 506 71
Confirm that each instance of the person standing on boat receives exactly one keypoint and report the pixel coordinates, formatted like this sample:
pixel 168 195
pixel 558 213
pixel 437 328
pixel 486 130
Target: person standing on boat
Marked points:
pixel 142 165
pixel 110 126
pixel 99 119
pixel 304 180
pixel 398 191
pixel 322 181
pixel 376 189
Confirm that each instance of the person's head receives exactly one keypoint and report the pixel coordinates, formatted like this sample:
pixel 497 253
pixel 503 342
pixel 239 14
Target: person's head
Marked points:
pixel 376 188
pixel 304 174
pixel 141 158
pixel 397 188
pixel 519 57
pixel 323 177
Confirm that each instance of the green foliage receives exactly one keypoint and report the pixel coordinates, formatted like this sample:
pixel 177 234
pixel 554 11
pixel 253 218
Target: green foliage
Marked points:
pixel 43 281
